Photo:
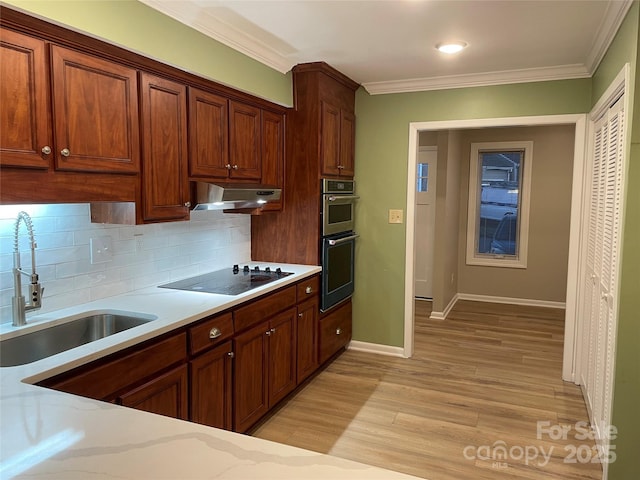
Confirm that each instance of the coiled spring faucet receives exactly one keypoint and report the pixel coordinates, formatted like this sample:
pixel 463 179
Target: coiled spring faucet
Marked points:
pixel 19 306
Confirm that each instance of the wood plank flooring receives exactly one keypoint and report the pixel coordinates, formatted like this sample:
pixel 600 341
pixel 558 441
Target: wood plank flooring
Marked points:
pixel 479 381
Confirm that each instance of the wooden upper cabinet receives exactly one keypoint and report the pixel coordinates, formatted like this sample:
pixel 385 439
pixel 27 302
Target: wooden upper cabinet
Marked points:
pixel 165 184
pixel 337 147
pixel 347 143
pixel 208 135
pixel 244 142
pixel 273 155
pixel 95 111
pixel 25 129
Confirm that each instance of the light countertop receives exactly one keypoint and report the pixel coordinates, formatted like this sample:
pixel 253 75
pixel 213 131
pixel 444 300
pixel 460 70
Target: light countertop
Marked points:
pixel 48 434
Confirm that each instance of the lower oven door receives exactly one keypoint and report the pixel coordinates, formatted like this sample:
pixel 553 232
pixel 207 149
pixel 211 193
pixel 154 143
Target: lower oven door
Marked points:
pixel 338 254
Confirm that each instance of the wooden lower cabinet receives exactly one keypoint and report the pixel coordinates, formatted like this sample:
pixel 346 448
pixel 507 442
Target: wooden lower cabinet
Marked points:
pixel 265 368
pixel 307 339
pixel 165 395
pixel 210 387
pixel 335 331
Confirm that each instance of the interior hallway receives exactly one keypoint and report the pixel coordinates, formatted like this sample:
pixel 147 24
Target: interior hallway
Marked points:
pixel 479 381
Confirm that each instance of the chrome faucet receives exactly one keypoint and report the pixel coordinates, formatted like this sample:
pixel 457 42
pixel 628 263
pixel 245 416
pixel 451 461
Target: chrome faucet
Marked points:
pixel 19 305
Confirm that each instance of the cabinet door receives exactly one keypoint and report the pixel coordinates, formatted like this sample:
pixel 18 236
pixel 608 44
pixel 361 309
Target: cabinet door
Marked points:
pixel 95 109
pixel 330 139
pixel 250 390
pixel 164 133
pixel 211 387
pixel 208 135
pixel 347 143
pixel 307 339
pixel 282 355
pixel 335 331
pixel 272 154
pixel 164 395
pixel 244 139
pixel 25 128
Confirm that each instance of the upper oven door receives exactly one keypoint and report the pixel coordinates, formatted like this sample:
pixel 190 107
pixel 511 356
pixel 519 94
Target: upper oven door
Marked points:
pixel 337 213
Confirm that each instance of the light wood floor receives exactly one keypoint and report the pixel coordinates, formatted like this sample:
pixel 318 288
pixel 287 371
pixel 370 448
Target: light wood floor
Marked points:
pixel 479 380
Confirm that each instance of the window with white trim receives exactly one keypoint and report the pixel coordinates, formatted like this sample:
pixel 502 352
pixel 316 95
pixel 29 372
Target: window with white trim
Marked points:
pixel 498 215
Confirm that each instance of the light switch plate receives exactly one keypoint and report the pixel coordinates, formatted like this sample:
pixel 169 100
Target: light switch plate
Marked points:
pixel 395 216
pixel 101 249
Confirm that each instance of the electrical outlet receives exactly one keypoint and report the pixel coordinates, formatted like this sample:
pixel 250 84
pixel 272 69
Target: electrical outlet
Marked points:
pixel 395 216
pixel 139 242
pixel 101 249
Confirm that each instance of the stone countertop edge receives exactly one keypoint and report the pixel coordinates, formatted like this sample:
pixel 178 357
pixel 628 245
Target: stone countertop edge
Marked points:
pixel 48 434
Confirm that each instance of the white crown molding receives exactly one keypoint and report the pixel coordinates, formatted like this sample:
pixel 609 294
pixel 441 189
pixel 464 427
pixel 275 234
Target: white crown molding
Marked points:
pixel 478 80
pixel 615 14
pixel 224 33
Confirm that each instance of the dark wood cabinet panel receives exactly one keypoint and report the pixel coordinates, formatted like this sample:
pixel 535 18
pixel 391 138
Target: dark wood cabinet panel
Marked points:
pixel 335 331
pixel 210 332
pixel 330 139
pixel 273 154
pixel 166 395
pixel 244 142
pixel 347 143
pixel 251 370
pixel 164 134
pixel 263 308
pixel 25 122
pixel 307 338
pixel 211 387
pixel 104 378
pixel 282 355
pixel 208 135
pixel 95 107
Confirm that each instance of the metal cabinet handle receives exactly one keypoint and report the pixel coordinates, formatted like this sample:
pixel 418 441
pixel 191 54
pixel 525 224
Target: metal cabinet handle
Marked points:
pixel 301 315
pixel 228 166
pixel 273 330
pixel 65 152
pixel 187 204
pixel 340 167
pixel 338 331
pixel 235 167
pixel 214 333
pixel 268 332
pixel 231 354
pixel 46 149
pixel 308 290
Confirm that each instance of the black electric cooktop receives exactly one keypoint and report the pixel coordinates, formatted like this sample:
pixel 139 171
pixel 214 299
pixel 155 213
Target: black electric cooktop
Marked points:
pixel 231 281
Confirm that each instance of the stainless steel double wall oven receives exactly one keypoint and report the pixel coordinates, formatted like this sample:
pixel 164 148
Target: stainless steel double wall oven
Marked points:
pixel 338 241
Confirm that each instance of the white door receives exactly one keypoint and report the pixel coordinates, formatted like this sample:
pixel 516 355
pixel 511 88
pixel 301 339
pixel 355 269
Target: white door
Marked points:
pixel 425 221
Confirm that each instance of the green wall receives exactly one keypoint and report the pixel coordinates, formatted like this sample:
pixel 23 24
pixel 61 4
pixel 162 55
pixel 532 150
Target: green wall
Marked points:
pixel 626 417
pixel 135 26
pixel 382 133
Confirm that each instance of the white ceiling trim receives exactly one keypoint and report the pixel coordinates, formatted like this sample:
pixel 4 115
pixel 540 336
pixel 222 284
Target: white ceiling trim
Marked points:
pixel 607 32
pixel 478 80
pixel 224 33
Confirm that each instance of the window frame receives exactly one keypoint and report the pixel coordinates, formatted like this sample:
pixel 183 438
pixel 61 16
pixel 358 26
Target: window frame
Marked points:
pixel 473 213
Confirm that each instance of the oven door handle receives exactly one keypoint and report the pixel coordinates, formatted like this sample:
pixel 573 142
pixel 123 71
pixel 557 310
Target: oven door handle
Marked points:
pixel 333 198
pixel 342 240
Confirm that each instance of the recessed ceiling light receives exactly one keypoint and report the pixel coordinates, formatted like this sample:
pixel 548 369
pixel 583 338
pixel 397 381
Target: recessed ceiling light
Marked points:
pixel 451 47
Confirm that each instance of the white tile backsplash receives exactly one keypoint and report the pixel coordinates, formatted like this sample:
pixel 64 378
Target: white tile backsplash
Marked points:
pixel 143 255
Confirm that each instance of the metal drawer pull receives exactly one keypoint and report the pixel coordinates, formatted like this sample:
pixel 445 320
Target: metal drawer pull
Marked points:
pixel 65 152
pixel 46 149
pixel 308 290
pixel 214 333
pixel 338 331
pixel 341 240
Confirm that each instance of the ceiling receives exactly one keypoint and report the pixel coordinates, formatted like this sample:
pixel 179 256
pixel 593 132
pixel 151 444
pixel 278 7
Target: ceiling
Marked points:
pixel 389 45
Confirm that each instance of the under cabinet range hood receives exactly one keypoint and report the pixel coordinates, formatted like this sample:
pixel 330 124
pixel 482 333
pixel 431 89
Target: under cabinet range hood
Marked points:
pixel 211 196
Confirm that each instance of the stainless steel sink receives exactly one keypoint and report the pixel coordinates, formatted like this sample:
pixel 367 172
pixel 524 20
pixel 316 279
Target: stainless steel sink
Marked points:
pixel 49 341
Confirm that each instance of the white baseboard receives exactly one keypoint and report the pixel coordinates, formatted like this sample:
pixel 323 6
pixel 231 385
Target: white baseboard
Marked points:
pixel 443 315
pixel 357 346
pixel 510 300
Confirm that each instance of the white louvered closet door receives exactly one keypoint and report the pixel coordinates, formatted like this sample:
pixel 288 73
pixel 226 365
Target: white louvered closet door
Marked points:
pixel 601 267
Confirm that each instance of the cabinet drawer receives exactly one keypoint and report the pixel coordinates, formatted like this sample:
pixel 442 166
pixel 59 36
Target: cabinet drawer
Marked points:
pixel 109 376
pixel 308 288
pixel 210 332
pixel 263 308
pixel 335 331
